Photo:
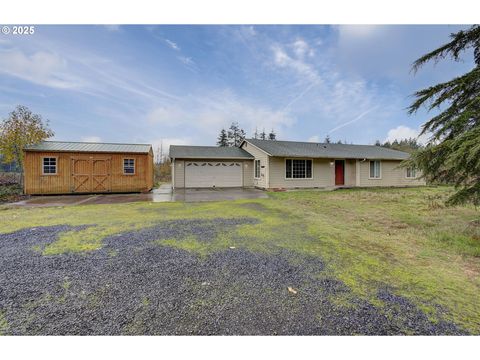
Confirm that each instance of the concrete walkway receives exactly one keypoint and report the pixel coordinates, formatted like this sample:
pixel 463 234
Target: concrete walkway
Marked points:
pixel 162 194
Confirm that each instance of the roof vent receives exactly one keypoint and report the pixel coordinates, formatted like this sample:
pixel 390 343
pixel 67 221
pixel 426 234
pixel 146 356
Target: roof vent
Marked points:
pixel 324 146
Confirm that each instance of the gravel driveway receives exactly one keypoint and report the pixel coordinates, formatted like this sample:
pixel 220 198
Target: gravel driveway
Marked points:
pixel 134 285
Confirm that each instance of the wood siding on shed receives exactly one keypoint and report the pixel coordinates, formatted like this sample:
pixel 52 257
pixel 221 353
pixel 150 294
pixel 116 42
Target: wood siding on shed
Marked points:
pixel 62 182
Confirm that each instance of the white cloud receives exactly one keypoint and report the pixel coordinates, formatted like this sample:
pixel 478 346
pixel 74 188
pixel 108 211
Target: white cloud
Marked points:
pixel 204 116
pixel 44 68
pixel 172 44
pixel 301 48
pixel 186 60
pixel 163 144
pixel 283 60
pixel 314 138
pixel 94 139
pixel 404 132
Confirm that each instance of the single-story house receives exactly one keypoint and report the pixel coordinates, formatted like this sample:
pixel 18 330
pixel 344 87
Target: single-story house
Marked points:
pixel 273 164
pixel 56 167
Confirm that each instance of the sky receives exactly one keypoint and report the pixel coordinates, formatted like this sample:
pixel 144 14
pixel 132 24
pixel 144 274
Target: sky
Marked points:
pixel 183 84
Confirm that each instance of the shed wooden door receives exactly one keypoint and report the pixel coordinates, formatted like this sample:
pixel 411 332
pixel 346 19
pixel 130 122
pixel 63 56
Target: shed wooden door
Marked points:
pixel 101 181
pixel 90 174
pixel 339 172
pixel 81 174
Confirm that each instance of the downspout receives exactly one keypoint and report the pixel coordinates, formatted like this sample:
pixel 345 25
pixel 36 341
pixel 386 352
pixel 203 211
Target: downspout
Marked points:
pixel 173 174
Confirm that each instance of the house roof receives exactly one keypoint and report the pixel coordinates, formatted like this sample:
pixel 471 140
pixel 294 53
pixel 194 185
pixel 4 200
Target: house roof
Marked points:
pixel 208 152
pixel 66 146
pixel 332 151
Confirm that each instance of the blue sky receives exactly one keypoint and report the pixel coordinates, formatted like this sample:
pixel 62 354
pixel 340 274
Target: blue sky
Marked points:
pixel 182 84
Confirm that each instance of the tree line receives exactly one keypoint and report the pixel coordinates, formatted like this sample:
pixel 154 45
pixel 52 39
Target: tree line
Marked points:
pixel 409 145
pixel 235 135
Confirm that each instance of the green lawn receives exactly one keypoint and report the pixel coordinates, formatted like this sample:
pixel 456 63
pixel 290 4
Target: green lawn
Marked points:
pixel 403 238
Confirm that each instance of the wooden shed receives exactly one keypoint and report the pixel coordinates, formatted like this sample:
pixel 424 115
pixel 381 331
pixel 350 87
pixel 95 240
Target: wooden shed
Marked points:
pixel 56 167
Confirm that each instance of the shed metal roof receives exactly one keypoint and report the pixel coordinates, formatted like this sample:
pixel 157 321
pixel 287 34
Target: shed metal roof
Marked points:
pixel 64 146
pixel 208 152
pixel 331 151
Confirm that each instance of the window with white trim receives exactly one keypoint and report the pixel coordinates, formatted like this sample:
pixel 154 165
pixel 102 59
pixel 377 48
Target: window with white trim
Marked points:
pixel 375 171
pixel 257 169
pixel 49 165
pixel 411 173
pixel 129 166
pixel 298 169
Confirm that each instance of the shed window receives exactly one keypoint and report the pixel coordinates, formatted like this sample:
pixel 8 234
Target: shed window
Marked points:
pixel 298 169
pixel 411 173
pixel 375 169
pixel 129 166
pixel 49 165
pixel 257 169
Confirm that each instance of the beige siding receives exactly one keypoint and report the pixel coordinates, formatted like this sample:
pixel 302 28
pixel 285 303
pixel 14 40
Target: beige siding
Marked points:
pixel 178 173
pixel 248 173
pixel 390 175
pixel 323 175
pixel 350 173
pixel 262 182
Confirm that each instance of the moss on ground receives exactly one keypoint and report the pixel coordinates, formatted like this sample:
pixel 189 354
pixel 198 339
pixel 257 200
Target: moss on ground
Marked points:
pixel 403 238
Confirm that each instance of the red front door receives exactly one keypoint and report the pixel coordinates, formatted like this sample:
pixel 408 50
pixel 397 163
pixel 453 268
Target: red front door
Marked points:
pixel 339 172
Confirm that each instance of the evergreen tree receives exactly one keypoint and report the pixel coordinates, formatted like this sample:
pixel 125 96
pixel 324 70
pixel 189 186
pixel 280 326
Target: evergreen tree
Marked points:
pixel 272 135
pixel 222 139
pixel 255 134
pixel 327 139
pixel 263 135
pixel 452 153
pixel 236 135
pixel 407 145
pixel 378 143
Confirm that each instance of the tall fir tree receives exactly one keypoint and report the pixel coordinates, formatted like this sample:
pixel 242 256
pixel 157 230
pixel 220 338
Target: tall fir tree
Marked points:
pixel 255 134
pixel 235 135
pixel 452 154
pixel 263 135
pixel 327 139
pixel 222 139
pixel 272 135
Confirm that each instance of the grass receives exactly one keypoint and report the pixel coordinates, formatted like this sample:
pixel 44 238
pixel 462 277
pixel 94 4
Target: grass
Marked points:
pixel 402 238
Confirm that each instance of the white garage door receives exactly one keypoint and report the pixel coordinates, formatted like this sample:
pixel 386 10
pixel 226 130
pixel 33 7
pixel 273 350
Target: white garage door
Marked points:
pixel 203 174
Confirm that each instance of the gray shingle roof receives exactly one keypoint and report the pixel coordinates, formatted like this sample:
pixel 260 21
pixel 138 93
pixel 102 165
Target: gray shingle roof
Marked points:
pixel 207 152
pixel 332 151
pixel 64 146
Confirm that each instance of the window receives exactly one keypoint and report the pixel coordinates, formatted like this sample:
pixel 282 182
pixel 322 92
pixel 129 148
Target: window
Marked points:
pixel 129 166
pixel 257 169
pixel 49 165
pixel 375 169
pixel 298 169
pixel 411 173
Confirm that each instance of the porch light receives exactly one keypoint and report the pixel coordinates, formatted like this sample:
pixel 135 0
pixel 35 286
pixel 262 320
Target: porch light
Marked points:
pixel 332 162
